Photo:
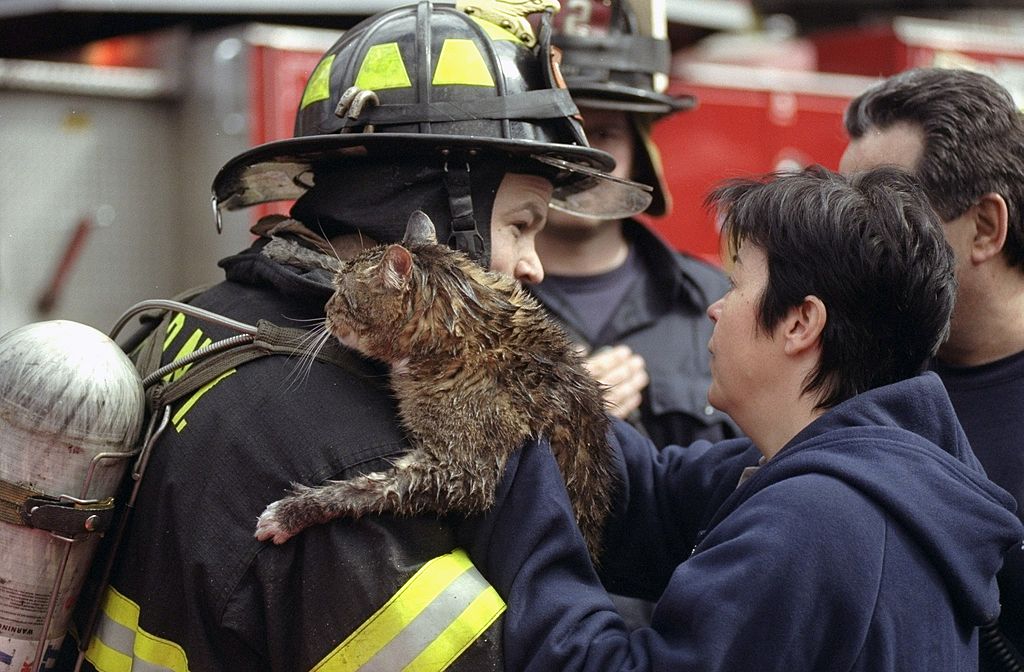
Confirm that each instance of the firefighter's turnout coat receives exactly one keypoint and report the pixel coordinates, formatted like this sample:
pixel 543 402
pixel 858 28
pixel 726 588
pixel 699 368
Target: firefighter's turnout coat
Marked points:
pixel 192 588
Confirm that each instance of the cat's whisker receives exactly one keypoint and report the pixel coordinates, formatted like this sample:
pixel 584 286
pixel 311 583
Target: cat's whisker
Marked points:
pixel 320 227
pixel 334 251
pixel 311 335
pixel 308 347
pixel 303 320
pixel 330 245
pixel 305 365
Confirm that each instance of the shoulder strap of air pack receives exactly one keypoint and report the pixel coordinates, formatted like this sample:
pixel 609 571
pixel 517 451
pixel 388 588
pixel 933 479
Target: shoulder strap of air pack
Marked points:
pixel 207 363
pixel 211 362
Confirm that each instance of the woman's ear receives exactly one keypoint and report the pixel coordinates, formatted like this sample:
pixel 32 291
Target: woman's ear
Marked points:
pixel 804 325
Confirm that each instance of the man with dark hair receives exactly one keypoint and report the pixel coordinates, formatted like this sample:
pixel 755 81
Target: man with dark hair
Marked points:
pixel 962 135
pixel 867 539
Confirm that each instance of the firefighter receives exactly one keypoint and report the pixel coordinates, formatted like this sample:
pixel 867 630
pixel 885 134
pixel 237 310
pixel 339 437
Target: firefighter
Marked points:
pixel 420 107
pixel 626 295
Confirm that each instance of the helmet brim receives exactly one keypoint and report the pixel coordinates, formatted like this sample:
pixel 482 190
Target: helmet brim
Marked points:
pixel 612 96
pixel 285 169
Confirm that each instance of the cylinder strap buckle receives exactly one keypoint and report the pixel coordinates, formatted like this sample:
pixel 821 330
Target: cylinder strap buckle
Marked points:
pixel 64 515
pixel 67 517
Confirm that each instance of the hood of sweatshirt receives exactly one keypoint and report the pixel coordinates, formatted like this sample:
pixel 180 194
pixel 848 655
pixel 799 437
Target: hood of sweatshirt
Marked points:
pixel 902 446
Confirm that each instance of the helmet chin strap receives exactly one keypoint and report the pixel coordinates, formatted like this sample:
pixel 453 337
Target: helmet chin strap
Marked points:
pixel 465 236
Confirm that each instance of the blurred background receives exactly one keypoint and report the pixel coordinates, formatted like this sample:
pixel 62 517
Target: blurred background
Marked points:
pixel 115 115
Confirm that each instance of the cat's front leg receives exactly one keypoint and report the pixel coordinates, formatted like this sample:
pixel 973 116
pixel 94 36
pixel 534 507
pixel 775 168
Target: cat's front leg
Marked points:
pixel 269 528
pixel 417 485
pixel 307 506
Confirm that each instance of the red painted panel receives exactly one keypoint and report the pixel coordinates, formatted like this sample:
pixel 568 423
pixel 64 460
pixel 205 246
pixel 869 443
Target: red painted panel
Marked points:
pixel 277 80
pixel 884 49
pixel 738 133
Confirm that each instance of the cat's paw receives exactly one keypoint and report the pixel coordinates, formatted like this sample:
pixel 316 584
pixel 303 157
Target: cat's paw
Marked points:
pixel 268 527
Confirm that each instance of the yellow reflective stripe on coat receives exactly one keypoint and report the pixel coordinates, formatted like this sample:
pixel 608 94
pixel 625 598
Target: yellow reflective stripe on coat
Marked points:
pixel 426 625
pixel 120 645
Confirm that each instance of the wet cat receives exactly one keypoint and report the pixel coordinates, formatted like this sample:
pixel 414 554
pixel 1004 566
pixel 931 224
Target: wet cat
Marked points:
pixel 477 368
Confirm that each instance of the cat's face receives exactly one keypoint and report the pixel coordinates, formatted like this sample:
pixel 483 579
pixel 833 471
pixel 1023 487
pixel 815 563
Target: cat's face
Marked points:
pixel 374 295
pixel 371 301
pixel 396 303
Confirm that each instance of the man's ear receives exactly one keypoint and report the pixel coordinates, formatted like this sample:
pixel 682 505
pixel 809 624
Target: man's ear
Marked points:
pixel 990 223
pixel 804 325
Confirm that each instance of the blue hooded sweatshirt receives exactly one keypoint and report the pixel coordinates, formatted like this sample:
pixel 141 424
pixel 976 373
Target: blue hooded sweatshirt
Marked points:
pixel 870 542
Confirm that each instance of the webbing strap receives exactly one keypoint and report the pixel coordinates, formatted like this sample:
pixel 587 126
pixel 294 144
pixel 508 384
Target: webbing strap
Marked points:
pixel 625 53
pixel 12 497
pixel 120 645
pixel 541 104
pixel 426 625
pixel 465 235
pixel 270 340
pixel 28 507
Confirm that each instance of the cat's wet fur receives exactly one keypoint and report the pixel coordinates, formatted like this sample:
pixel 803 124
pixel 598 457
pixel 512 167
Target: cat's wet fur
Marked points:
pixel 477 368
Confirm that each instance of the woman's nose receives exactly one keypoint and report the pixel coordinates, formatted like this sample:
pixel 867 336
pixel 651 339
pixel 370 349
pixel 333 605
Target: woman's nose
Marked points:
pixel 714 310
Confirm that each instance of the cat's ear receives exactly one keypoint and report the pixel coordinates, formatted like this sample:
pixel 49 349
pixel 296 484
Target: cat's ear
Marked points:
pixel 419 230
pixel 396 267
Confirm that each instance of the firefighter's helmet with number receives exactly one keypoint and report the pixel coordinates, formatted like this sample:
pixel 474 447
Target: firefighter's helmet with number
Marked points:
pixel 439 84
pixel 614 60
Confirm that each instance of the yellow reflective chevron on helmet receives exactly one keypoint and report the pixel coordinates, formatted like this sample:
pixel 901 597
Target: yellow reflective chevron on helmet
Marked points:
pixel 383 68
pixel 461 63
pixel 319 85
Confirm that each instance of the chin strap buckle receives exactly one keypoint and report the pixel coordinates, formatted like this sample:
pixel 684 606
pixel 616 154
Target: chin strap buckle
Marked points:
pixel 465 236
